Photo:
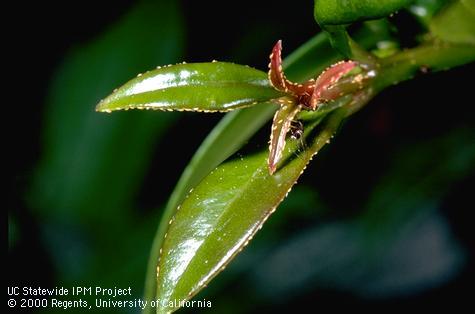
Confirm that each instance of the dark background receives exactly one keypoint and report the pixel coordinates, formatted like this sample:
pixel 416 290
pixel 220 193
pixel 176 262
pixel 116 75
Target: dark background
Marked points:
pixel 380 219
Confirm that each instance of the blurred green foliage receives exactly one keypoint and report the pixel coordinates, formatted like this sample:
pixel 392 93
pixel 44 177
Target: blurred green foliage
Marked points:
pixel 93 165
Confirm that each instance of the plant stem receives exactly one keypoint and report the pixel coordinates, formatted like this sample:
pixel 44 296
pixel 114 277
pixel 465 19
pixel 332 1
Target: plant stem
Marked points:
pixel 432 56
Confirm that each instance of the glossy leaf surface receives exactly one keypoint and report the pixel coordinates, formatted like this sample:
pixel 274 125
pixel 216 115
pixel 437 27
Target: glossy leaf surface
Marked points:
pixel 206 87
pixel 308 60
pixel 337 12
pixel 424 10
pixel 220 215
pixel 224 140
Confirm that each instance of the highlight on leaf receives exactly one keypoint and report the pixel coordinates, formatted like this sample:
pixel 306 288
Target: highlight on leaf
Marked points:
pixel 202 87
pixel 221 86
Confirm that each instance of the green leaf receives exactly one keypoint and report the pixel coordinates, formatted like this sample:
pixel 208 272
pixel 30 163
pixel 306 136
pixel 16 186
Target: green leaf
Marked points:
pixel 455 23
pixel 338 12
pixel 220 215
pixel 207 87
pixel 333 17
pixel 401 203
pixel 339 39
pixel 229 135
pixel 224 140
pixel 308 60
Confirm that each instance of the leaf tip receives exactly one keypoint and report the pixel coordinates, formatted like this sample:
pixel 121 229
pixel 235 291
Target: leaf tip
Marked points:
pixel 102 107
pixel 275 74
pixel 272 167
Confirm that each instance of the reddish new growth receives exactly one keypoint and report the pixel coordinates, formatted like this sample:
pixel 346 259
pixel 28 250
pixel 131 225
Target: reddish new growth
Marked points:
pixel 308 95
pixel 313 92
